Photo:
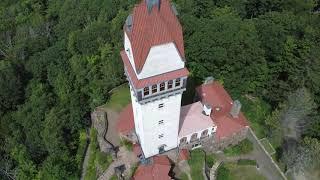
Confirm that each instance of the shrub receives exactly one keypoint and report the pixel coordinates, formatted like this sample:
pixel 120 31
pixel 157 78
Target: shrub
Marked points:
pixel 243 147
pixel 223 173
pixel 210 160
pixel 127 144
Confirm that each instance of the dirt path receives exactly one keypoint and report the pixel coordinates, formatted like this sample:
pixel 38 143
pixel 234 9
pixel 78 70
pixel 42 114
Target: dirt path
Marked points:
pixel 125 157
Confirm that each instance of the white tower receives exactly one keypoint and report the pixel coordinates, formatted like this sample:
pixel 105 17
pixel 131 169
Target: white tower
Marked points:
pixel 155 68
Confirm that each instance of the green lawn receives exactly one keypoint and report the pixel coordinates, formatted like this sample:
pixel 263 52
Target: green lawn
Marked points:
pixel 244 147
pixel 256 111
pixel 267 146
pixel 196 163
pixel 120 97
pixel 233 171
pixel 210 160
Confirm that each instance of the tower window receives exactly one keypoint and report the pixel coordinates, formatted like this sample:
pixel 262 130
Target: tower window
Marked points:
pixel 146 91
pixel 154 88
pixel 162 86
pixel 160 122
pixel 161 105
pixel 160 136
pixel 178 82
pixel 170 84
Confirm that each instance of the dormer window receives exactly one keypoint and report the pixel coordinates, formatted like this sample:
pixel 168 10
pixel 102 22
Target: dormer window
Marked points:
pixel 162 86
pixel 146 91
pixel 154 89
pixel 170 83
pixel 178 82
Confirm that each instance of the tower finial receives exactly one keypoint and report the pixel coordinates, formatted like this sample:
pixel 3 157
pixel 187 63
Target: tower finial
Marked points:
pixel 151 3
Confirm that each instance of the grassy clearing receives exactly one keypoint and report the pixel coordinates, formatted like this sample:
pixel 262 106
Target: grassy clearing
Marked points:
pixel 196 163
pixel 267 146
pixel 96 157
pixel 244 147
pixel 233 171
pixel 256 111
pixel 120 97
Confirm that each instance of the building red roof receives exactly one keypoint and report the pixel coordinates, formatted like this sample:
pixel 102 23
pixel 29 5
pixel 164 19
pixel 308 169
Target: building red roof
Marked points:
pixel 139 84
pixel 218 98
pixel 159 26
pixel 125 123
pixel 158 170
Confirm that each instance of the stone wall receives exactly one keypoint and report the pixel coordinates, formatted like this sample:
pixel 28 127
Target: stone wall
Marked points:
pixel 210 144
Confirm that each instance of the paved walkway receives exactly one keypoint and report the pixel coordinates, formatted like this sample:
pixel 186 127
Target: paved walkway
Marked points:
pixel 266 164
pixel 125 157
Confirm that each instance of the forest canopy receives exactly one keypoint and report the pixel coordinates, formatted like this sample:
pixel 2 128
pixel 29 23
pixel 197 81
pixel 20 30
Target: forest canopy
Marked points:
pixel 59 58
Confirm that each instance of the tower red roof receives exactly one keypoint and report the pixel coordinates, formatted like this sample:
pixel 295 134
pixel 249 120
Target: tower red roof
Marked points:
pixel 155 27
pixel 158 170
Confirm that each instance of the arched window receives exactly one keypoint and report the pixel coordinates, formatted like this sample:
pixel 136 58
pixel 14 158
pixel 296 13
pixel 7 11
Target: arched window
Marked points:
pixel 194 137
pixel 178 82
pixel 154 88
pixel 183 140
pixel 146 91
pixel 162 86
pixel 204 133
pixel 170 83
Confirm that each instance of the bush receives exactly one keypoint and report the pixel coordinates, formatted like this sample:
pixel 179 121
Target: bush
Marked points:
pixel 127 144
pixel 243 147
pixel 247 162
pixel 103 159
pixel 223 173
pixel 210 160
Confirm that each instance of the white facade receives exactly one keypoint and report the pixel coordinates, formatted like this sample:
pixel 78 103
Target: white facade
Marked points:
pixel 161 59
pixel 157 123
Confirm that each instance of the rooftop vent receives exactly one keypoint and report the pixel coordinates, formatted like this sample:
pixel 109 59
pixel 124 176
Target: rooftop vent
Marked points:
pixel 207 109
pixel 208 80
pixel 151 3
pixel 129 22
pixel 235 110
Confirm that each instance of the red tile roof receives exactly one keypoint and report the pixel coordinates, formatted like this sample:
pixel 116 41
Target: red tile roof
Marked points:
pixel 139 84
pixel 157 27
pixel 125 123
pixel 158 170
pixel 215 95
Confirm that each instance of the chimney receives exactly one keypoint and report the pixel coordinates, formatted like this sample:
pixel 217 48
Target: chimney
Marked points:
pixel 208 80
pixel 207 109
pixel 235 110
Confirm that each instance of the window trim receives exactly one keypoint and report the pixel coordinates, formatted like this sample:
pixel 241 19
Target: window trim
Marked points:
pixel 170 84
pixel 146 91
pixel 154 88
pixel 177 81
pixel 161 105
pixel 162 86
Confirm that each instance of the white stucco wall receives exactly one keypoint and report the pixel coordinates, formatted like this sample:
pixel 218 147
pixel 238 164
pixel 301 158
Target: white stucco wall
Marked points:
pixel 211 131
pixel 147 117
pixel 161 59
pixel 128 50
